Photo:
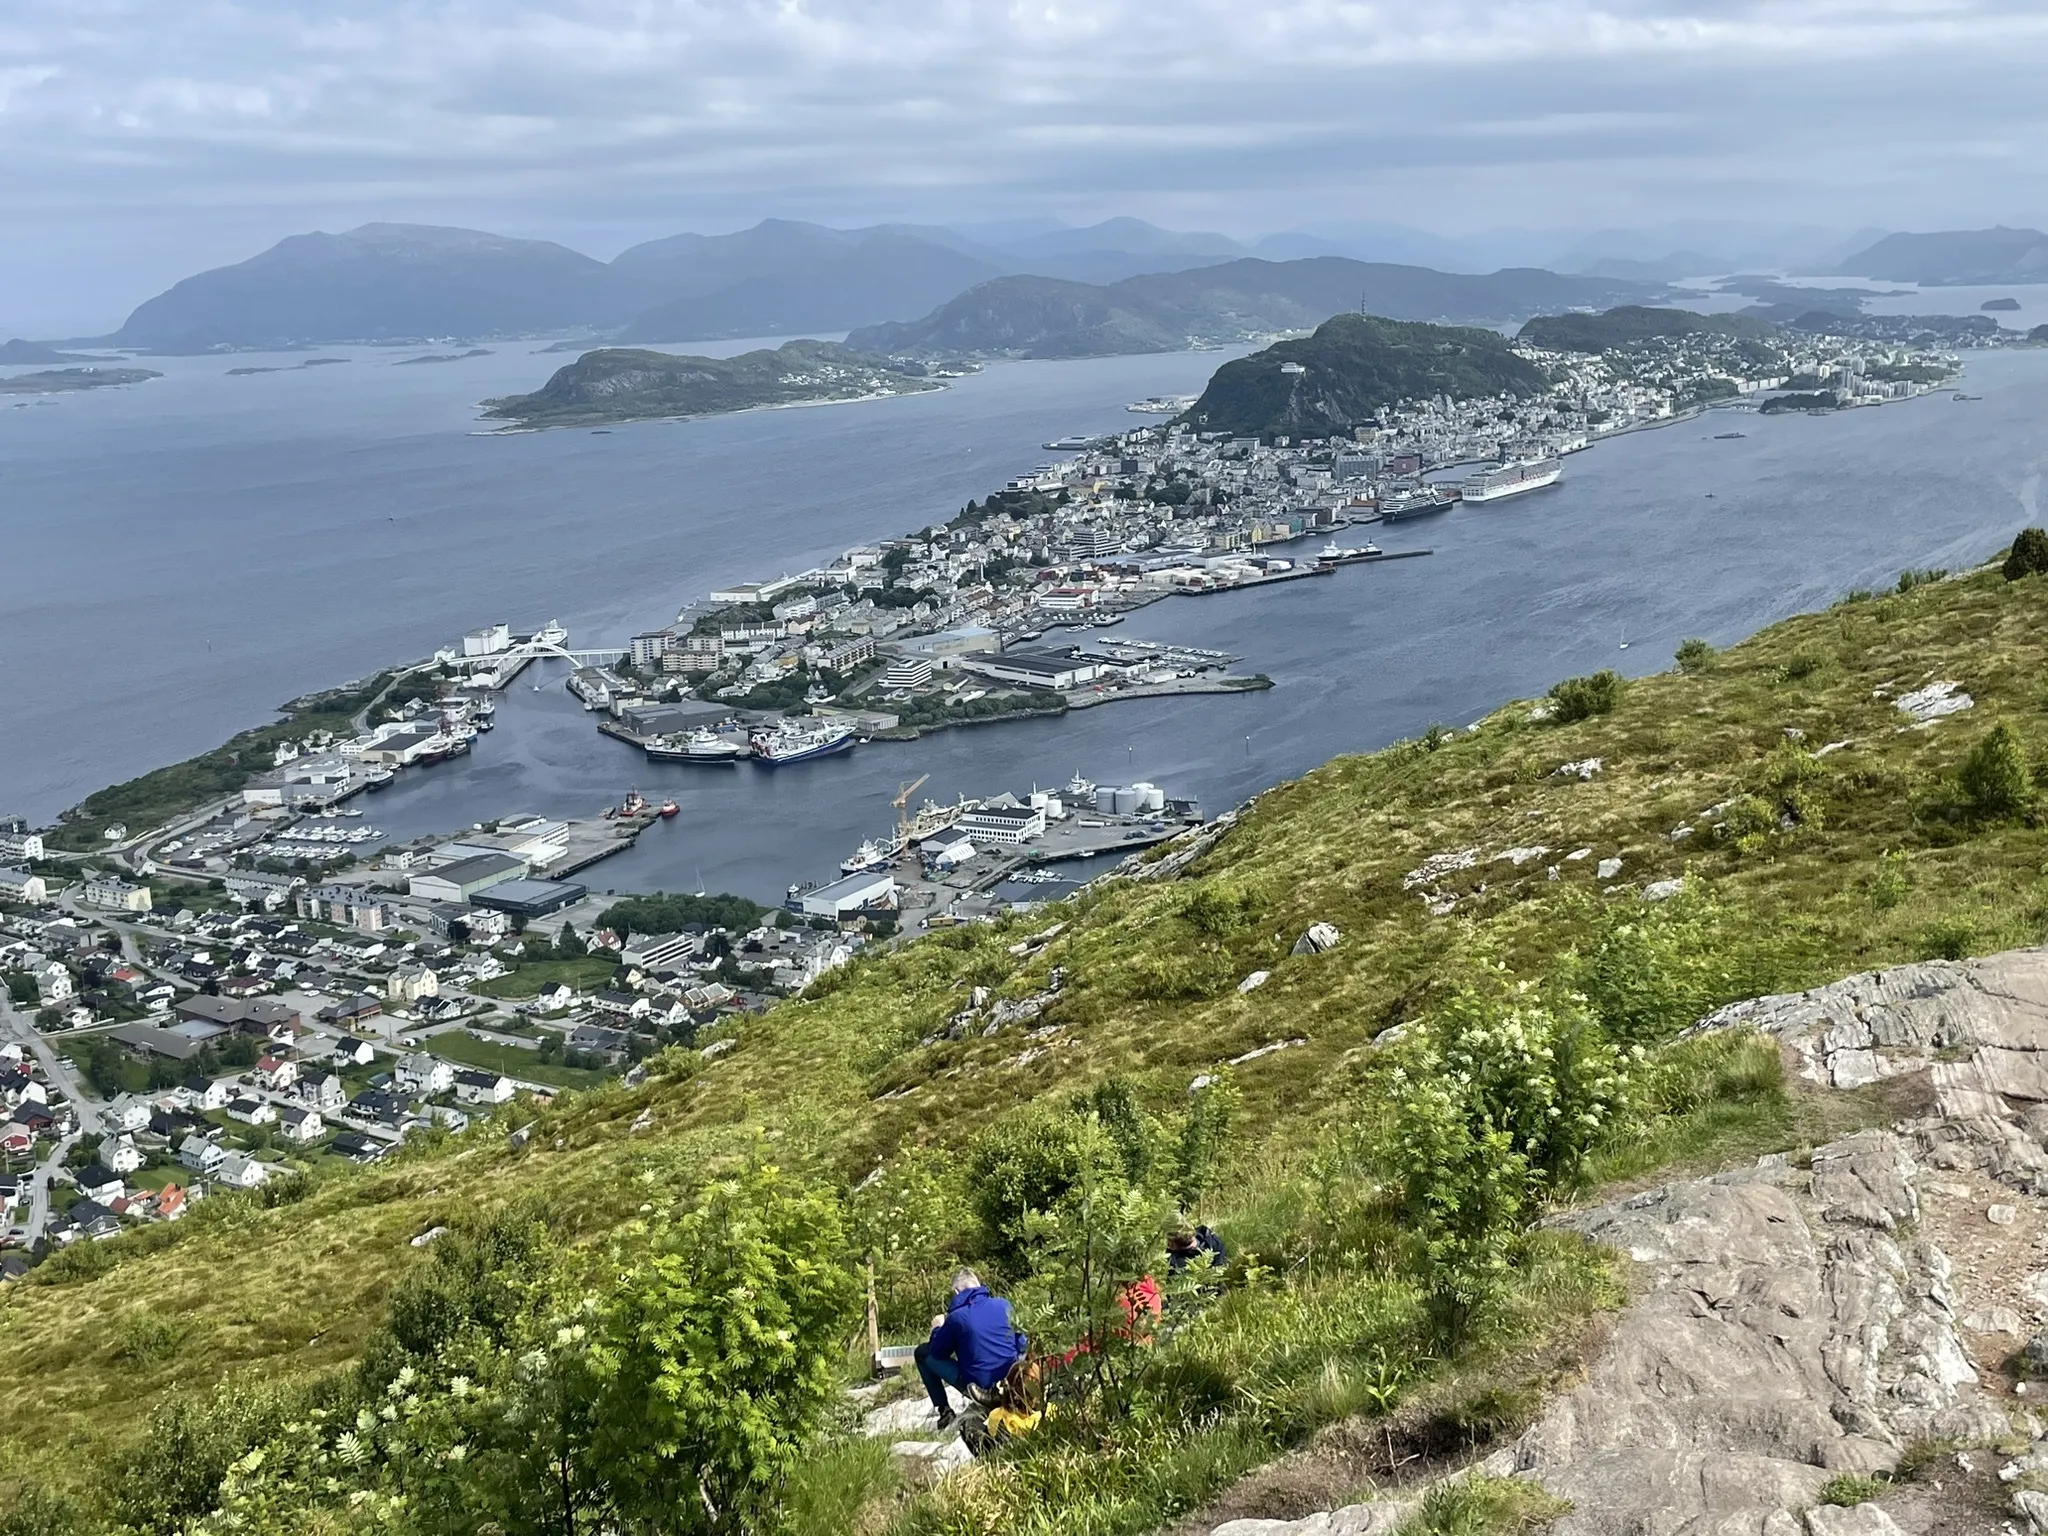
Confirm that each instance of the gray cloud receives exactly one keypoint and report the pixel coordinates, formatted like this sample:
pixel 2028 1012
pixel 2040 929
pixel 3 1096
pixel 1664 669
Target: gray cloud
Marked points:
pixel 140 139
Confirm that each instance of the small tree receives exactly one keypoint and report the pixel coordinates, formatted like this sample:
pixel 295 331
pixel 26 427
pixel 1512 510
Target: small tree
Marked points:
pixel 1694 655
pixel 1498 1099
pixel 2028 555
pixel 1580 698
pixel 1995 779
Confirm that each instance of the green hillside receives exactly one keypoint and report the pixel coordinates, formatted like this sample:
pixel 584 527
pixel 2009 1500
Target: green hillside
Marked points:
pixel 1377 1190
pixel 1326 383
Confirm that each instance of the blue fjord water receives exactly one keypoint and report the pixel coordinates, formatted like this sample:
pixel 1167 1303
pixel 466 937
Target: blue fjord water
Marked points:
pixel 183 555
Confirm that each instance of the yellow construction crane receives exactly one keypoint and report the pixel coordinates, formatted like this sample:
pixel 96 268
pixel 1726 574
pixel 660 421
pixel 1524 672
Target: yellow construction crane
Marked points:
pixel 903 799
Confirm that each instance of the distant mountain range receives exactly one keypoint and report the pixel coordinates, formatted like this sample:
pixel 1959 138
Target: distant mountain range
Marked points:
pixel 1329 382
pixel 1233 301
pixel 407 282
pixel 1119 286
pixel 1961 257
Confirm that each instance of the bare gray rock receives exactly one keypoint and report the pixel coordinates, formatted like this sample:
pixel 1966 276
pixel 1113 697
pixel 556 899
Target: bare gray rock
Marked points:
pixel 1856 1520
pixel 1319 939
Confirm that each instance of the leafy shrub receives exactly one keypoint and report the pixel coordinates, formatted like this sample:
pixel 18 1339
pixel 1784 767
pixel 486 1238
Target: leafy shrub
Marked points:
pixel 1652 972
pixel 1803 663
pixel 1909 579
pixel 1953 938
pixel 2028 555
pixel 1581 698
pixel 1218 907
pixel 907 1221
pixel 1029 1161
pixel 1497 1100
pixel 1694 655
pixel 1892 881
pixel 143 1338
pixel 1996 780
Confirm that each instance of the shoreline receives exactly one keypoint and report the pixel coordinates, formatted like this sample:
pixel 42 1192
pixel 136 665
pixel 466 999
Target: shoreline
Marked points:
pixel 142 840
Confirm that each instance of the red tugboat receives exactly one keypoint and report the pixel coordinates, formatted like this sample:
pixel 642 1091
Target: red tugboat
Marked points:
pixel 668 809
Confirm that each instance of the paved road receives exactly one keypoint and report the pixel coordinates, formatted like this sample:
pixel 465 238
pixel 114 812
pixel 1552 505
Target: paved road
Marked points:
pixel 18 1026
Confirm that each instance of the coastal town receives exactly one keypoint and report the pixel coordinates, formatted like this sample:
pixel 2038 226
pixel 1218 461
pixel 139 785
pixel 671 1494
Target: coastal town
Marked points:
pixel 265 981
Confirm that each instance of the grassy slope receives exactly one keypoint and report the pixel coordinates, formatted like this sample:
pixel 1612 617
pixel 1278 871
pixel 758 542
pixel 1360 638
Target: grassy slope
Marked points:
pixel 1153 971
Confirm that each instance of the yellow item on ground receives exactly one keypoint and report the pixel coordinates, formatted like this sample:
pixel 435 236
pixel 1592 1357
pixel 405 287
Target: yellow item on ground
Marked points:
pixel 1012 1421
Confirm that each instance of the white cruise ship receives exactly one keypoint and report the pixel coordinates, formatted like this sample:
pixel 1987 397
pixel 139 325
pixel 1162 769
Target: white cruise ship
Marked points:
pixel 1511 479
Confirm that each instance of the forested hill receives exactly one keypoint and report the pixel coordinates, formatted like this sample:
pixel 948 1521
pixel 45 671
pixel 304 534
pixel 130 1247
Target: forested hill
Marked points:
pixel 1327 383
pixel 1629 324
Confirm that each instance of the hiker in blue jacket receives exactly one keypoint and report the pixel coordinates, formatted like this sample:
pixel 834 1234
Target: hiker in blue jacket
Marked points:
pixel 973 1343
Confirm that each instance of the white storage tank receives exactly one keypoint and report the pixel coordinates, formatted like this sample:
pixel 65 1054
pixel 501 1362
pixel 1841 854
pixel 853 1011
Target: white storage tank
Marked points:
pixel 1129 801
pixel 1105 798
pixel 1151 796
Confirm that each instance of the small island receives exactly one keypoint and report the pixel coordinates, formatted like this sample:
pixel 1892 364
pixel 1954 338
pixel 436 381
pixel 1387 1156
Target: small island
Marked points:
pixel 311 362
pixel 2005 306
pixel 57 381
pixel 617 384
pixel 443 357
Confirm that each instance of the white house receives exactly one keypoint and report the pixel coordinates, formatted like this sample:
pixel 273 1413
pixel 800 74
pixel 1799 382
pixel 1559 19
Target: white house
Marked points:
pixel 126 1113
pixel 482 1087
pixel 323 1093
pixel 119 1155
pixel 199 1154
pixel 20 885
pixel 301 1125
pixel 349 1050
pixel 208 1093
pixel 53 983
pixel 251 1112
pixel 410 983
pixel 241 1172
pixel 277 1073
pixel 423 1074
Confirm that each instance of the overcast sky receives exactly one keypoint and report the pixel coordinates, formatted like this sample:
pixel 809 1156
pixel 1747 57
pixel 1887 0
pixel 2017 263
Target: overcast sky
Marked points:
pixel 141 141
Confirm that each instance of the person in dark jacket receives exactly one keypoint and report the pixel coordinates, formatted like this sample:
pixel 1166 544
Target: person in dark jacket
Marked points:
pixel 974 1342
pixel 1200 1246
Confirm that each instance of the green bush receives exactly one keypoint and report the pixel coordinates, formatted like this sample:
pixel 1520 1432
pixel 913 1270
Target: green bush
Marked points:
pixel 1694 655
pixel 1909 579
pixel 1028 1162
pixel 1498 1099
pixel 1581 698
pixel 2028 555
pixel 1996 779
pixel 1851 1488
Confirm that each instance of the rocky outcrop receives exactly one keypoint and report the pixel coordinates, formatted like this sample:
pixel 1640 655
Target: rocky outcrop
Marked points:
pixel 1791 1330
pixel 1805 1318
pixel 1978 1028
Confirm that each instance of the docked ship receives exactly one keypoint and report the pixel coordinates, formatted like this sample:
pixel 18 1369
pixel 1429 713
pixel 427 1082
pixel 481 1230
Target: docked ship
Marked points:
pixel 705 749
pixel 791 742
pixel 1399 506
pixel 870 855
pixel 1511 479
pixel 1069 444
pixel 378 778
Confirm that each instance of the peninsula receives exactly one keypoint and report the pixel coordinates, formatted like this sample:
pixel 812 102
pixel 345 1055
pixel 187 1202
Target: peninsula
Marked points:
pixel 617 384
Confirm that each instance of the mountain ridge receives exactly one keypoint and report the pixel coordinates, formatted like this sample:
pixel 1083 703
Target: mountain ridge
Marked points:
pixel 1226 302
